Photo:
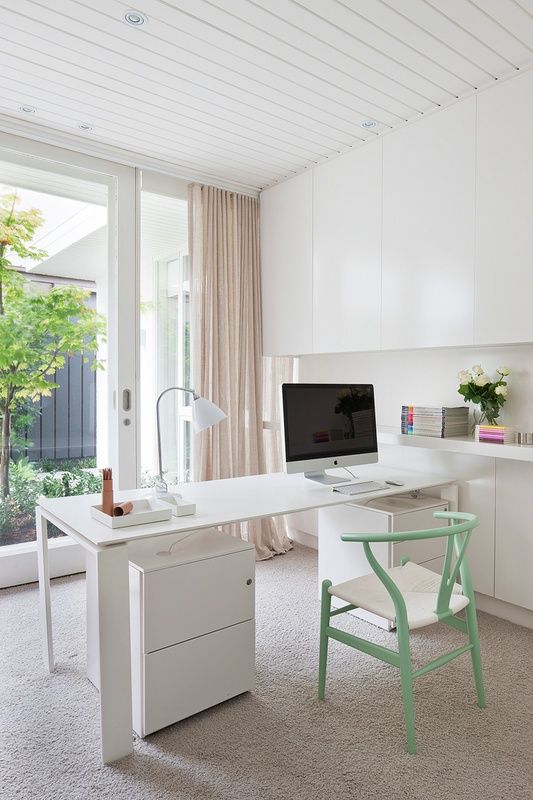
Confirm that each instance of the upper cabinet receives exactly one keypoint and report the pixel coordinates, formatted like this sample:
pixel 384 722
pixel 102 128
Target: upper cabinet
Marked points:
pixel 286 266
pixel 423 238
pixel 428 231
pixel 347 252
pixel 504 258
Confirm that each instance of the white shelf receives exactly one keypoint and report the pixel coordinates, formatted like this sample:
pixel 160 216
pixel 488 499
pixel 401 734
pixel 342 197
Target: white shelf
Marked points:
pixel 458 444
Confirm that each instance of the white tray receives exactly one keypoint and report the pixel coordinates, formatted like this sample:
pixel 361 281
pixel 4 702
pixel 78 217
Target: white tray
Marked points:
pixel 145 510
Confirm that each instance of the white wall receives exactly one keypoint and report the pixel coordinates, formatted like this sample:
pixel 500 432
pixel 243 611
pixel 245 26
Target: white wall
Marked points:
pixel 427 376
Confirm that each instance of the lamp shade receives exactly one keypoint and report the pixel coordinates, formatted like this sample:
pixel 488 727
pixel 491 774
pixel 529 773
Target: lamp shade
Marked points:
pixel 205 414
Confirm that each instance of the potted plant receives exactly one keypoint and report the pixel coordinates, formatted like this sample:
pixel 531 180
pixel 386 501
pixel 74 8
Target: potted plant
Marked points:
pixel 490 395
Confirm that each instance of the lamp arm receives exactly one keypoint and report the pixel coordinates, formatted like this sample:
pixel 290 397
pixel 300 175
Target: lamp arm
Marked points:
pixel 158 421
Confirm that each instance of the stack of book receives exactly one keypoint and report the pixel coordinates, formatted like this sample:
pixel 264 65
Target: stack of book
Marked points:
pixel 500 434
pixel 439 421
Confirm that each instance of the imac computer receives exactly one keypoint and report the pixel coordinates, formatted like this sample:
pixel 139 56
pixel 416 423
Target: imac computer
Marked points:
pixel 328 425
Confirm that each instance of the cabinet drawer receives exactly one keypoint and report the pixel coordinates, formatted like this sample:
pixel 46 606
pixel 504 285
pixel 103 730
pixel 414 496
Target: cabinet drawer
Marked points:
pixel 189 677
pixel 418 551
pixel 190 600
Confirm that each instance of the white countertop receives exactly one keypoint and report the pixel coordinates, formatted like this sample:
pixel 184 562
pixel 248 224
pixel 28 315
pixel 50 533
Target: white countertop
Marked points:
pixel 456 444
pixel 231 500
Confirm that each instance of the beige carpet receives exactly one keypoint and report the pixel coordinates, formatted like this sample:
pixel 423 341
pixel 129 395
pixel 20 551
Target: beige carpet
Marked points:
pixel 279 742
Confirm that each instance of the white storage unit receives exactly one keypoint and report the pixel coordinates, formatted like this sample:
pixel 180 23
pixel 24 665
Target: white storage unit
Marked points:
pixel 504 239
pixel 428 231
pixel 347 252
pixel 514 533
pixel 342 561
pixel 287 266
pixel 192 625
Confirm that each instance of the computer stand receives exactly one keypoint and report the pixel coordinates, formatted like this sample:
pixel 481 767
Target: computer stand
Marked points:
pixel 323 477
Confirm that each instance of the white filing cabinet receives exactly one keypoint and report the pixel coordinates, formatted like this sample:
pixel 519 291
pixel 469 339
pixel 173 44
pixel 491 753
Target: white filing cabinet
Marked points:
pixel 342 561
pixel 192 625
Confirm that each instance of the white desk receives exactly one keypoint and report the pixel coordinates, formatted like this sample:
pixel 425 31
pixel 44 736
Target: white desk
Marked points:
pixel 218 503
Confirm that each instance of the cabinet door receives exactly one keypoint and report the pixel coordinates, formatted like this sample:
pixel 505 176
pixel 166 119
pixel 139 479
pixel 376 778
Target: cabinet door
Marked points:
pixel 428 231
pixel 286 267
pixel 347 252
pixel 504 250
pixel 514 533
pixel 193 599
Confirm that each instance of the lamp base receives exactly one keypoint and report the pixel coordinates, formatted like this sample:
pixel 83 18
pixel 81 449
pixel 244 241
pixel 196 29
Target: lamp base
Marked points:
pixel 179 507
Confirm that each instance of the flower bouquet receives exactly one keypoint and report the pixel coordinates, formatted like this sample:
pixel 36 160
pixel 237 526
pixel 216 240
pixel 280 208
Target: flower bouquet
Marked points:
pixel 490 395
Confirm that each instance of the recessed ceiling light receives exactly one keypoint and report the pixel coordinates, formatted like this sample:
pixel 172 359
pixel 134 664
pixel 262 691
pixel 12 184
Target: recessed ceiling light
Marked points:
pixel 85 126
pixel 135 18
pixel 369 123
pixel 27 109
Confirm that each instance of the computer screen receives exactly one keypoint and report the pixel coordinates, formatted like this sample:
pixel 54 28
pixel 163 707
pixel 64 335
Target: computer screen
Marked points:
pixel 329 421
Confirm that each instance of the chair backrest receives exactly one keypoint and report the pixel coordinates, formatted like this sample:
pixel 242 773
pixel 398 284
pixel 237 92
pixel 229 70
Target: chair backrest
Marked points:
pixel 458 534
pixel 457 542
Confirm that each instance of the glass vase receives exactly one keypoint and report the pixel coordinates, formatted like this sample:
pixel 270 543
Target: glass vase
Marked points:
pixel 485 416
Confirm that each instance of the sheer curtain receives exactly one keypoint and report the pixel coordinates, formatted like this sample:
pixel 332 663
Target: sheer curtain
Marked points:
pixel 227 363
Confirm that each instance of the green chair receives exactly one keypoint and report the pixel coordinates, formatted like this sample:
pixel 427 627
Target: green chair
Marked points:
pixel 411 596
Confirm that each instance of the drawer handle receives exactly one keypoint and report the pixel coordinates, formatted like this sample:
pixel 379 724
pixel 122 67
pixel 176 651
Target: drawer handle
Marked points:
pixel 249 582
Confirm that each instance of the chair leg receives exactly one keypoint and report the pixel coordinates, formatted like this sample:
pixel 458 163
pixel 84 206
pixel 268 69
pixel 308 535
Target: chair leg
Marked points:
pixel 477 667
pixel 406 676
pixel 324 622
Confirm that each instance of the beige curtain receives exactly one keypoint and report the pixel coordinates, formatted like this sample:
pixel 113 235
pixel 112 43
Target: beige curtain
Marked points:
pixel 227 364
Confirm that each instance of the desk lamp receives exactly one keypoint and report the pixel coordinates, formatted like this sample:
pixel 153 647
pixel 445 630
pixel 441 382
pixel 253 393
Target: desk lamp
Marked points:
pixel 204 415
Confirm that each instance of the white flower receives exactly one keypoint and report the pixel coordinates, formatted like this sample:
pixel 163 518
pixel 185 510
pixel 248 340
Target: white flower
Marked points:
pixel 482 379
pixel 503 370
pixel 477 370
pixel 501 390
pixel 464 377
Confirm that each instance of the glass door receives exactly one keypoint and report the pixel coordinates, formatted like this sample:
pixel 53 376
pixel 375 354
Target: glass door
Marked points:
pixel 164 329
pixel 67 319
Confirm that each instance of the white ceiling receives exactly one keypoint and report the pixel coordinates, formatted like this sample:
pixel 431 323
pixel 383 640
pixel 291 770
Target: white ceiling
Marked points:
pixel 164 228
pixel 27 176
pixel 249 92
pixel 84 259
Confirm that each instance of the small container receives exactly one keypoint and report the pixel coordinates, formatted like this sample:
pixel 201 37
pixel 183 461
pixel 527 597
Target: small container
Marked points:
pixel 107 491
pixel 145 510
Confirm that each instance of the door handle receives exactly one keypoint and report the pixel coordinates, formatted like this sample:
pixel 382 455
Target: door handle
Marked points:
pixel 126 400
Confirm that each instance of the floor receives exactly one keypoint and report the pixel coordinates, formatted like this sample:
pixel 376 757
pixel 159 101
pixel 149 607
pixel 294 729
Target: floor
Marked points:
pixel 280 741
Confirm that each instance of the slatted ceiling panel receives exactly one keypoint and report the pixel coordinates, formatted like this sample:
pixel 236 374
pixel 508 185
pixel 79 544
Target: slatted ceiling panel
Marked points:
pixel 220 46
pixel 513 18
pixel 154 87
pixel 479 22
pixel 246 93
pixel 175 133
pixel 237 89
pixel 174 154
pixel 165 94
pixel 247 22
pixel 345 30
pixel 303 97
pixel 444 37
pixel 420 27
pixel 181 126
pixel 234 154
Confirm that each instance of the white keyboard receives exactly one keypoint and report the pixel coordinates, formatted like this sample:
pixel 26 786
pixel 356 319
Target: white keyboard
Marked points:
pixel 360 488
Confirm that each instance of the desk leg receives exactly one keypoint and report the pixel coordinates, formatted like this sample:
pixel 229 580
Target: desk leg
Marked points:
pixel 451 494
pixel 44 589
pixel 113 623
pixel 91 587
